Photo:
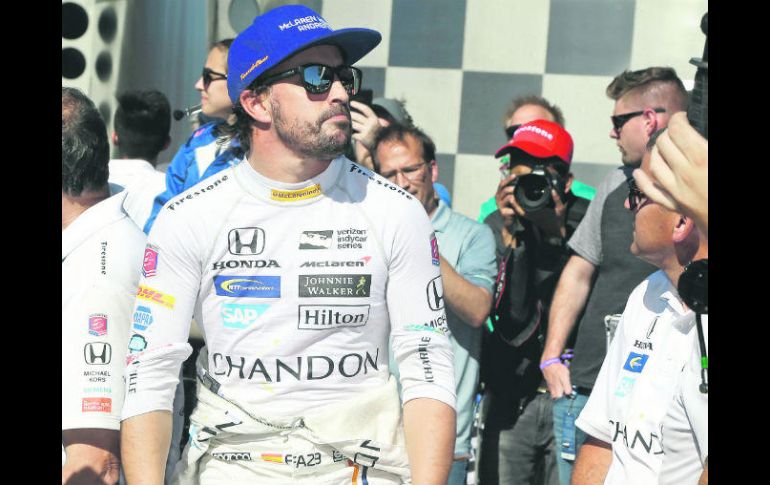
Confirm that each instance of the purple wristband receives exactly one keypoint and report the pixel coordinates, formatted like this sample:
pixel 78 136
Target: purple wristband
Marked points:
pixel 548 362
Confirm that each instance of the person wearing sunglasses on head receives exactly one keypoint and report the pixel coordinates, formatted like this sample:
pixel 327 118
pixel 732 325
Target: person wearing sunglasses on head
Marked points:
pixel 294 385
pixel 641 421
pixel 213 146
pixel 601 272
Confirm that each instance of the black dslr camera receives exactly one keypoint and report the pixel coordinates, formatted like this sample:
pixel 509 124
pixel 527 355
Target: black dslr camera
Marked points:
pixel 533 191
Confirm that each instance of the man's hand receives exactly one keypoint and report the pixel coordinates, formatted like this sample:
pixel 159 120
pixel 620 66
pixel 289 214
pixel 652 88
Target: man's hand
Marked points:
pixel 504 199
pixel 92 457
pixel 679 168
pixel 365 124
pixel 551 220
pixel 557 377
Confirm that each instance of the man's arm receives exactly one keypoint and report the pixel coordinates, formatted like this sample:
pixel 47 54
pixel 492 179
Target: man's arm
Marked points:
pixel 704 476
pixel 470 302
pixel 593 462
pixel 92 456
pixel 144 444
pixel 568 301
pixel 429 429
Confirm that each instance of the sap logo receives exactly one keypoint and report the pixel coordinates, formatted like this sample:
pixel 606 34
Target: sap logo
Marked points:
pixel 643 345
pixel 624 386
pixel 635 362
pixel 248 286
pixel 435 292
pixel 241 316
pixel 246 240
pixel 142 318
pixel 316 239
pixel 335 285
pixel 321 317
pixel 97 353
pixel 232 456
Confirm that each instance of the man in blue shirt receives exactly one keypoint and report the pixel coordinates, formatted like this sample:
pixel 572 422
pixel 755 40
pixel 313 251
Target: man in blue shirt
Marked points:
pixel 465 251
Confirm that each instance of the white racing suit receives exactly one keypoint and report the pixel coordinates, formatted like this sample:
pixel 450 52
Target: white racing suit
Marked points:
pixel 298 290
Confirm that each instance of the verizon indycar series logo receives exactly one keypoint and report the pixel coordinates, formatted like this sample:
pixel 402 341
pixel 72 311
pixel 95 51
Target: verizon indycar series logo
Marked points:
pixel 316 239
pixel 248 286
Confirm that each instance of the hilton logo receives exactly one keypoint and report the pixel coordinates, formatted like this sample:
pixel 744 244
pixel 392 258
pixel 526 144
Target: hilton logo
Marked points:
pixel 325 317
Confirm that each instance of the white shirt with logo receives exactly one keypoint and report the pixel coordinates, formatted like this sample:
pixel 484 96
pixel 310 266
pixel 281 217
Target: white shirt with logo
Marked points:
pixel 638 379
pixel 101 257
pixel 685 428
pixel 142 182
pixel 297 289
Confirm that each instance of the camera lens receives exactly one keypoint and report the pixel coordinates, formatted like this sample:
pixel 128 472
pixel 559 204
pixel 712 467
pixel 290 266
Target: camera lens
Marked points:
pixel 533 192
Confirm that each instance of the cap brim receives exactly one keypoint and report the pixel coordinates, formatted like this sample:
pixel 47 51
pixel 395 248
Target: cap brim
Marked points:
pixel 355 42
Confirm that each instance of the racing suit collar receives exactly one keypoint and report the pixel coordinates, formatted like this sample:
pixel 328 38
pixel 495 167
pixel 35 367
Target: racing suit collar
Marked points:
pixel 281 193
pixel 92 219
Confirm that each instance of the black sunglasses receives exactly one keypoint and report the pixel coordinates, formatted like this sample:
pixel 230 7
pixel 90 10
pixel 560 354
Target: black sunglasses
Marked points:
pixel 318 78
pixel 619 120
pixel 511 130
pixel 208 76
pixel 636 197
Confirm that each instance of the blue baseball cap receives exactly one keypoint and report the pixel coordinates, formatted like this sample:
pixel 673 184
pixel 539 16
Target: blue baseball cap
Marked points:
pixel 282 32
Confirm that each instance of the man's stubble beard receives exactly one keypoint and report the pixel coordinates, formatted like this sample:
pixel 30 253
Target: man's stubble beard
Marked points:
pixel 307 139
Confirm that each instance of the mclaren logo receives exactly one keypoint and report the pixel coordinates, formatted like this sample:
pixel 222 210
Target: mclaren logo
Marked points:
pixel 97 353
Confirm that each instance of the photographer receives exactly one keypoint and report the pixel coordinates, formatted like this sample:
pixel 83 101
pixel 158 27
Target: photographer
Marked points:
pixel 536 214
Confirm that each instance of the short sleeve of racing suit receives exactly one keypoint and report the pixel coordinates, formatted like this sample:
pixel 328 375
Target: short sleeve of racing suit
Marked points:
pixel 164 307
pixel 415 299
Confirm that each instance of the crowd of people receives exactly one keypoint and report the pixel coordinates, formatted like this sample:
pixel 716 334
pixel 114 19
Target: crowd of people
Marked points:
pixel 356 329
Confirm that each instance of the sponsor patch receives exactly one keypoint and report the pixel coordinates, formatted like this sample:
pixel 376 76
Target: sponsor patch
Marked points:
pixel 248 286
pixel 97 353
pixel 435 294
pixel 294 195
pixel 316 239
pixel 351 238
pixel 97 390
pixel 150 262
pixel 624 386
pixel 335 285
pixel 136 344
pixel 247 263
pixel 326 317
pixel 635 362
pixel 241 316
pixel 358 263
pixel 97 324
pixel 434 249
pixel 273 457
pixel 232 455
pixel 97 405
pixel 337 456
pixel 142 318
pixel 155 296
pixel 248 241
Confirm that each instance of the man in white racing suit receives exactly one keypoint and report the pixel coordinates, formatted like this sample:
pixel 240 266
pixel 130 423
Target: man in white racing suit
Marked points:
pixel 299 266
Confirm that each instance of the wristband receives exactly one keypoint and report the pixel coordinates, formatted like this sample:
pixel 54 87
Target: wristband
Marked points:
pixel 546 363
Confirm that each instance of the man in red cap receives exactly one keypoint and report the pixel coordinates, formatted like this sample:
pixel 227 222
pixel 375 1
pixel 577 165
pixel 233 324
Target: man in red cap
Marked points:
pixel 536 214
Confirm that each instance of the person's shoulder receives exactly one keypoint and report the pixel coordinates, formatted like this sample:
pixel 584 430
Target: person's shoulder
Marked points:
pixel 206 193
pixel 466 225
pixel 372 189
pixel 204 135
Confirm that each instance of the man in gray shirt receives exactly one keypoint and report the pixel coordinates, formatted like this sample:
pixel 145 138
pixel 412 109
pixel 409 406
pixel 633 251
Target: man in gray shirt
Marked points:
pixel 599 276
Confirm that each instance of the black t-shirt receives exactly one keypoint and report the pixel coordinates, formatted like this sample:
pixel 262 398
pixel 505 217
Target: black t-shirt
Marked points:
pixel 510 355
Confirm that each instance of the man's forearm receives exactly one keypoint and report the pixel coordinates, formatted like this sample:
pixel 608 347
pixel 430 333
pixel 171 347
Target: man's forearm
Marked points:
pixel 92 456
pixel 470 302
pixel 144 443
pixel 593 462
pixel 569 299
pixel 429 428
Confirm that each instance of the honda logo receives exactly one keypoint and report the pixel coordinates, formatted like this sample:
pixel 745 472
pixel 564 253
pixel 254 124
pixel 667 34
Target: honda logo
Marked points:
pixel 435 291
pixel 97 353
pixel 246 240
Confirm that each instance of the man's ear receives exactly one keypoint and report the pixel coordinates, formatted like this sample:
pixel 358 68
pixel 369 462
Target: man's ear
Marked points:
pixel 257 105
pixel 682 229
pixel 433 171
pixel 651 124
pixel 114 138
